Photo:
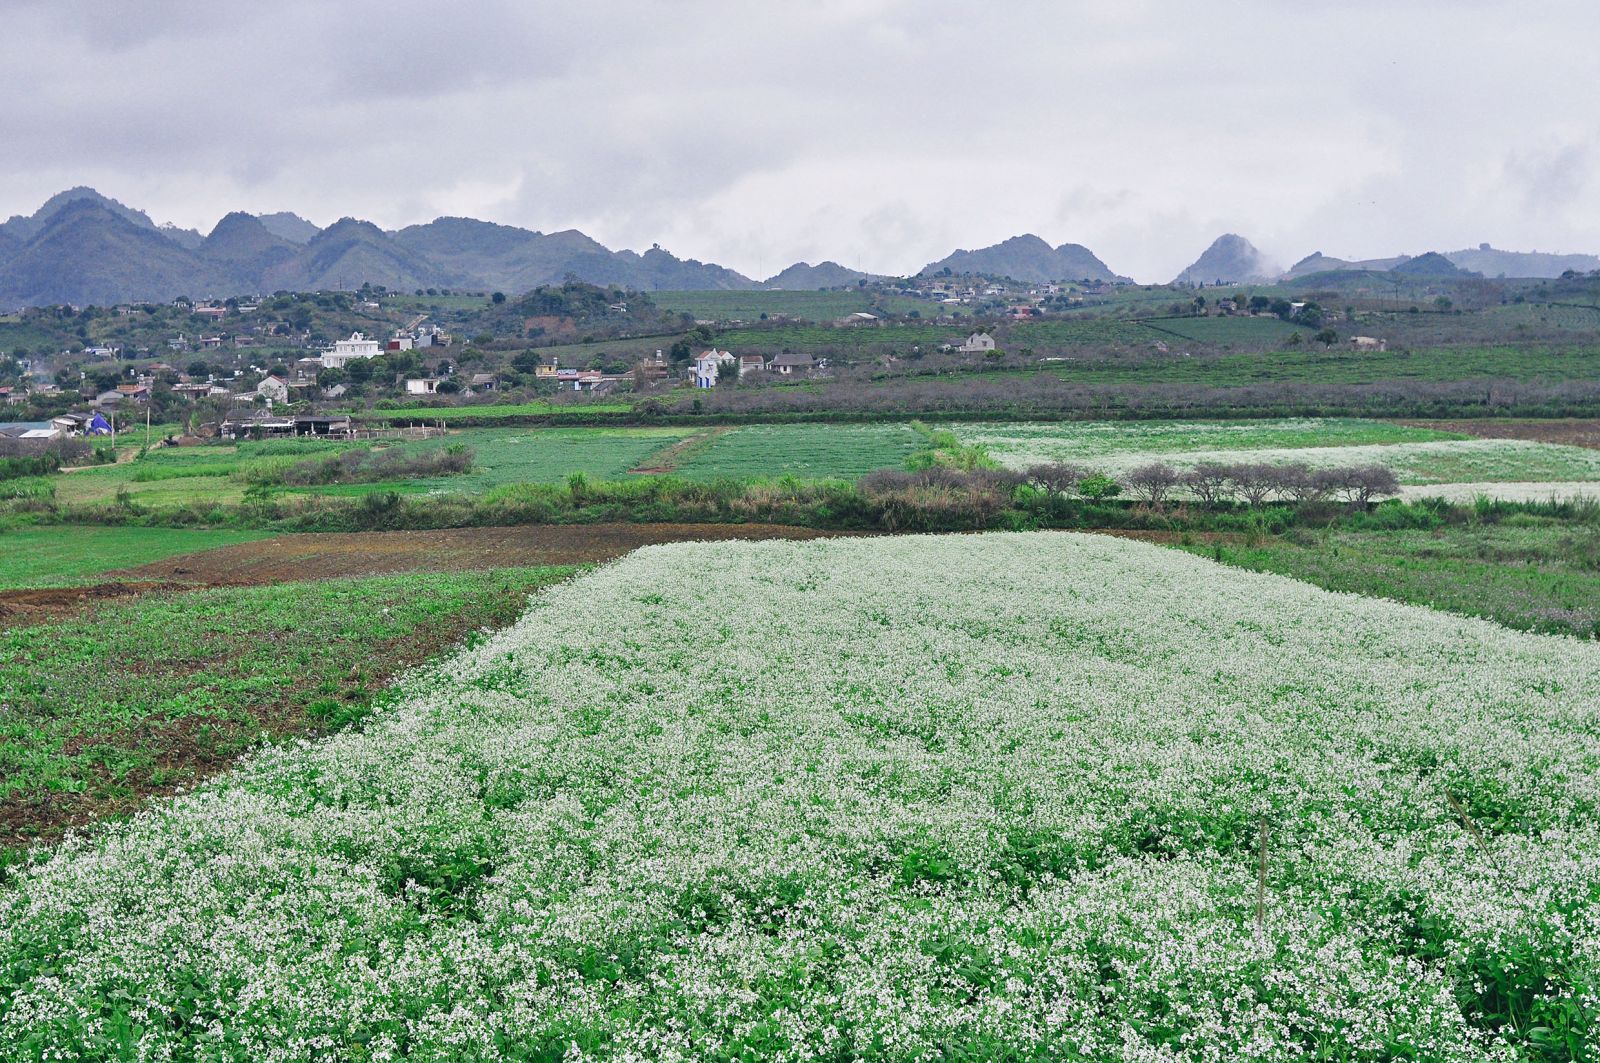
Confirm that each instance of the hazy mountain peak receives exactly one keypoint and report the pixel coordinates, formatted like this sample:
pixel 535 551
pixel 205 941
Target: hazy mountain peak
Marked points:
pixel 289 226
pixel 803 276
pixel 1026 258
pixel 25 228
pixel 1230 259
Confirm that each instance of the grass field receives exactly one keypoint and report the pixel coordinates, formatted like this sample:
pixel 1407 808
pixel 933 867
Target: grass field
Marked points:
pixel 1033 796
pixel 1533 574
pixel 52 557
pixel 146 694
pixel 807 451
pixel 549 455
pixel 1316 364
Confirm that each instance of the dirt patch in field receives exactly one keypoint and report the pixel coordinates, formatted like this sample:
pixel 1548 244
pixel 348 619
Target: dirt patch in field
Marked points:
pixel 48 603
pixel 1572 432
pixel 317 556
pixel 665 461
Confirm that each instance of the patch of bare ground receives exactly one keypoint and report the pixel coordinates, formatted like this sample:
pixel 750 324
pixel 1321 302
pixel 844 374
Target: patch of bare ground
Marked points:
pixel 334 555
pixel 1572 432
pixel 666 460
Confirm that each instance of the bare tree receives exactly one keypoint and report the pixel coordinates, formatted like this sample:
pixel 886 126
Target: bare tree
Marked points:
pixel 1210 482
pixel 1153 482
pixel 1057 478
pixel 1363 483
pixel 1254 482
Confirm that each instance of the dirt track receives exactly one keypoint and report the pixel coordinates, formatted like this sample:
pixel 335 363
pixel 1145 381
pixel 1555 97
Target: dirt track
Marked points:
pixel 291 558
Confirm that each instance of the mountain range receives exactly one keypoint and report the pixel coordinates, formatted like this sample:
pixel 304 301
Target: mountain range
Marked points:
pixel 85 248
pixel 1026 258
pixel 1483 260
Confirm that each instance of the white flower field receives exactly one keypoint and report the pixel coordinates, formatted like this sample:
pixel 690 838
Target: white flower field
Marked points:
pixel 1032 796
pixel 1417 458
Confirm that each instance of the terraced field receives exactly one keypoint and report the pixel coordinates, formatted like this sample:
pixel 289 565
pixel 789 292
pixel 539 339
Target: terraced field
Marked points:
pixel 1036 796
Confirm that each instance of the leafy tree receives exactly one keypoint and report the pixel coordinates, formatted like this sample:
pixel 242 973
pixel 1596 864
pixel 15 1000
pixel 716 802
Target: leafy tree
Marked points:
pixel 1327 337
pixel 497 298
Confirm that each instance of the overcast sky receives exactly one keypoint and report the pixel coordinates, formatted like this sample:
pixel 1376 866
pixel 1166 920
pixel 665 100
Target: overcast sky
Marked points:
pixel 881 133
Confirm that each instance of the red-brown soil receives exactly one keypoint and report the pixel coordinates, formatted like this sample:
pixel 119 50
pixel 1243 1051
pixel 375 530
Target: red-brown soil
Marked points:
pixel 1573 432
pixel 317 556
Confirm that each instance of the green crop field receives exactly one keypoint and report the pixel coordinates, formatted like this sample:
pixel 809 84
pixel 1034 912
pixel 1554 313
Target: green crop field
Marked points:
pixel 799 305
pixel 1226 331
pixel 52 556
pixel 546 455
pixel 1566 317
pixel 147 693
pixel 807 451
pixel 1312 363
pixel 1010 796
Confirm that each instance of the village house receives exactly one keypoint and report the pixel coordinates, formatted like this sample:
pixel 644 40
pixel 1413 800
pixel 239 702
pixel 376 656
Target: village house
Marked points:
pixel 791 364
pixel 977 343
pixel 400 342
pixel 212 312
pixel 273 389
pixel 707 365
pixel 427 385
pixel 1368 343
pixel 353 349
pixel 485 382
pixel 652 366
pixel 751 363
pixel 255 425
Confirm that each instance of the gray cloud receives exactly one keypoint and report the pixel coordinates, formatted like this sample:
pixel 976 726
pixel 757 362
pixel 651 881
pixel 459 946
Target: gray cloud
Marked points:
pixel 879 132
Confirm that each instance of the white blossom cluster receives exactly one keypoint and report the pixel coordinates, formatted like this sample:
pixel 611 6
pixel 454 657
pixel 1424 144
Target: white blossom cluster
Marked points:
pixel 1022 796
pixel 1114 448
pixel 1523 491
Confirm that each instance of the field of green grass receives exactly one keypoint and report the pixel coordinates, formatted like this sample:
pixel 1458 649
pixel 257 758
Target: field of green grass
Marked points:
pixel 149 693
pixel 545 455
pixel 806 451
pixel 1227 331
pixel 1530 573
pixel 52 556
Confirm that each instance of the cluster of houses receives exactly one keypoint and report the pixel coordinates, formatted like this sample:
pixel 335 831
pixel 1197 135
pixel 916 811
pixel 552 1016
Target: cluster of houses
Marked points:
pixel 708 366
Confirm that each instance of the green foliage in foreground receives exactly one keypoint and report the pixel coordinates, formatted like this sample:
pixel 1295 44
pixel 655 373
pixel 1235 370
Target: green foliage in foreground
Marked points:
pixel 149 692
pixel 1532 573
pixel 52 556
